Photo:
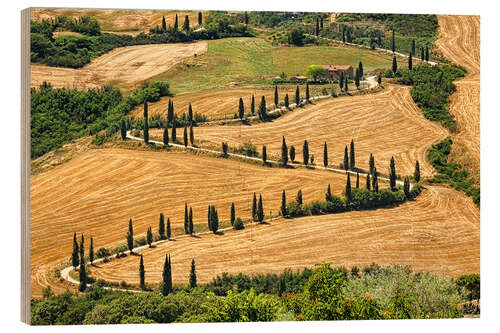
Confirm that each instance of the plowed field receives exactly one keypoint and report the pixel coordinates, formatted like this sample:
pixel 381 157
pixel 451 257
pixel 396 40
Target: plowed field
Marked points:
pixel 459 41
pixel 386 124
pixel 439 232
pixel 123 66
pixel 97 192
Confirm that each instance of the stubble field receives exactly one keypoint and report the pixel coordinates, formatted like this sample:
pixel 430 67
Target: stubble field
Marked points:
pixel 459 41
pixel 386 124
pixel 124 66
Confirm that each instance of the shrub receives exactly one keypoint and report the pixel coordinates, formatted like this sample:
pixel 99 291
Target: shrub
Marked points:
pixel 238 224
pixel 472 285
pixel 295 209
pixel 103 252
pixel 140 241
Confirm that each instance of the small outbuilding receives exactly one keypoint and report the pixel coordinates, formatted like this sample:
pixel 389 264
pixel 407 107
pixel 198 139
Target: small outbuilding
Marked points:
pixel 298 78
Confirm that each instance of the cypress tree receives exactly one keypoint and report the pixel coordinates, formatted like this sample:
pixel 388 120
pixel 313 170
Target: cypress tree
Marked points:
pixel 284 153
pixel 325 155
pixel 341 80
pixel 283 204
pixel 412 47
pixel 316 30
pixel 356 78
pixel 91 251
pixel 165 290
pixel 233 214
pixel 214 216
pixel 170 112
pixel 146 125
pixel 163 24
pixel 254 207
pixel 149 236
pixel 190 114
pixel 406 187
pixel 185 137
pixel 343 35
pixel 252 105
pixel 142 274
pixel 130 236
pixel 186 219
pixel 392 175
pixel 75 261
pixel 394 65
pixel 224 149
pixel 368 185
pixel 281 285
pixel 360 67
pixel 328 195
pixel 169 233
pixel 192 275
pixel 307 93
pixel 393 45
pixel 185 26
pixel 246 18
pixel 200 19
pixel 287 101
pixel 297 96
pixel 426 53
pixel 176 23
pixel 379 39
pixel 346 159
pixel 262 109
pixel 292 153
pixel 174 131
pixel 83 272
pixel 161 226
pixel 346 84
pixel 264 155
pixel 241 109
pixel 191 225
pixel 260 210
pixel 357 179
pixel 305 152
pixel 320 23
pixel 123 129
pixel 191 135
pixel 299 197
pixel 348 193
pixel 416 174
pixel 372 163
pixel 170 285
pixel 352 158
pixel 410 62
pixel 165 136
pixel 375 180
pixel 422 55
pixel 209 219
pixel 379 79
pixel 276 98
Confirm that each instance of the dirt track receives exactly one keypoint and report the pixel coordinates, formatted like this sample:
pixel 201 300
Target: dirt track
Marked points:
pixel 459 41
pixel 439 232
pixel 98 191
pixel 127 66
pixel 385 124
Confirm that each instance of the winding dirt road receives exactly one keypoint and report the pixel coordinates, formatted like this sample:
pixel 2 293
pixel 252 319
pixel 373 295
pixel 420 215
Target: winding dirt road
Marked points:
pixel 459 41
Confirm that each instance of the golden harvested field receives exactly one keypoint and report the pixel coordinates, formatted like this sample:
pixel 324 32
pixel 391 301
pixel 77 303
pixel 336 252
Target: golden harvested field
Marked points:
pixel 217 103
pixel 121 20
pixel 127 66
pixel 439 232
pixel 386 124
pixel 459 41
pixel 98 191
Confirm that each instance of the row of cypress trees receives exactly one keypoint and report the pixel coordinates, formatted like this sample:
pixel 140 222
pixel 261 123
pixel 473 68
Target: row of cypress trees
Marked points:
pixel 78 259
pixel 166 285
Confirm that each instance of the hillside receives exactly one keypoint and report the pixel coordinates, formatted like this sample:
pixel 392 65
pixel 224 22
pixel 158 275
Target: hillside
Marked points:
pixel 386 124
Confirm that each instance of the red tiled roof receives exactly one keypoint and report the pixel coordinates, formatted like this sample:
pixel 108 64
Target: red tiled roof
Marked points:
pixel 337 67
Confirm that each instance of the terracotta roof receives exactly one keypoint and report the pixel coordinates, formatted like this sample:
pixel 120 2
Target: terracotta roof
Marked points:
pixel 299 77
pixel 337 67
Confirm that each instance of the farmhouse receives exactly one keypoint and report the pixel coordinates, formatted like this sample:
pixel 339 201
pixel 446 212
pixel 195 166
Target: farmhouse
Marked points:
pixel 333 71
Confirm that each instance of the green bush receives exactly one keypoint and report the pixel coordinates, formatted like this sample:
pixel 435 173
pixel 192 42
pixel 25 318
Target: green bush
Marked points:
pixel 472 285
pixel 103 252
pixel 238 224
pixel 450 172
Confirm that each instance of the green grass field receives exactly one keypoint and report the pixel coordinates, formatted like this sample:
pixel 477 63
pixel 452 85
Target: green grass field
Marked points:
pixel 253 60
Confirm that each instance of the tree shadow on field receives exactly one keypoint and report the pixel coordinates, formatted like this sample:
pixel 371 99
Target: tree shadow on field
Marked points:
pixel 265 223
pixel 195 236
pixel 219 233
